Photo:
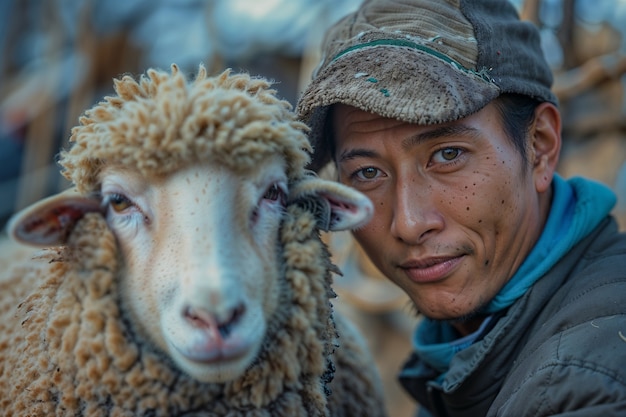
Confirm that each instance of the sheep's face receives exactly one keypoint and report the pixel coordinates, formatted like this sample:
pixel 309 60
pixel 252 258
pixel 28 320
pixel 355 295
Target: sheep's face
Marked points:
pixel 201 259
pixel 202 270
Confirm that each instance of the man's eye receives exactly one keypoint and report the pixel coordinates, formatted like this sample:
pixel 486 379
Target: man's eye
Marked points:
pixel 367 173
pixel 446 154
pixel 119 203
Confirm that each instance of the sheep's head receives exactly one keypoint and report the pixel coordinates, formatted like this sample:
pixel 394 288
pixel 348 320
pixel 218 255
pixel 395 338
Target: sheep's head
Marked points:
pixel 197 221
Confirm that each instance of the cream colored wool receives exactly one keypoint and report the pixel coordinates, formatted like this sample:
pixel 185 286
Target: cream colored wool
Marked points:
pixel 68 346
pixel 162 122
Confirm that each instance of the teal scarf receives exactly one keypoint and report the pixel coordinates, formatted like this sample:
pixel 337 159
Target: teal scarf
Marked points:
pixel 578 206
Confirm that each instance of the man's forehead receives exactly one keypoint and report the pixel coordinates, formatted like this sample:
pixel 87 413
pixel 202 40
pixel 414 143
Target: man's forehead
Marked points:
pixel 346 118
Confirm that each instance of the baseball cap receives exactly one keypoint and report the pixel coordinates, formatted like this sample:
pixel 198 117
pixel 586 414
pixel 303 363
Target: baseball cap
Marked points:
pixel 424 62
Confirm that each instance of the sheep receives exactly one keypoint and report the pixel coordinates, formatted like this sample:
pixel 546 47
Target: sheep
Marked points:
pixel 182 273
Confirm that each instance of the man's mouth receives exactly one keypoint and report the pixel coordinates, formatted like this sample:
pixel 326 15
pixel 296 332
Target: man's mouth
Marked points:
pixel 428 270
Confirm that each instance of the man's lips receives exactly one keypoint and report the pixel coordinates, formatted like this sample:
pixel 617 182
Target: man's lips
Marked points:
pixel 430 269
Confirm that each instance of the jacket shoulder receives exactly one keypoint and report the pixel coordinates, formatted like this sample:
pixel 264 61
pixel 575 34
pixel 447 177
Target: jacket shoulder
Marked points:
pixel 574 356
pixel 582 368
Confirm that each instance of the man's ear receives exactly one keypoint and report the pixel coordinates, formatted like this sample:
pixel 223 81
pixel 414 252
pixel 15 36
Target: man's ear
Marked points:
pixel 546 144
pixel 336 206
pixel 49 222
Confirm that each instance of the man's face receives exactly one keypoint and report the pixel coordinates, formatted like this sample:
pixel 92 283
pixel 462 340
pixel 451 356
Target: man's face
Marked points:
pixel 456 212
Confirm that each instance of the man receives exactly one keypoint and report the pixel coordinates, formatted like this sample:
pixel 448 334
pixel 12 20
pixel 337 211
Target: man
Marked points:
pixel 442 113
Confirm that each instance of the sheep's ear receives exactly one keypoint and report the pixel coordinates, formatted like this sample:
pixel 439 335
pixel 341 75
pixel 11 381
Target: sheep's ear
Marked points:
pixel 336 206
pixel 49 222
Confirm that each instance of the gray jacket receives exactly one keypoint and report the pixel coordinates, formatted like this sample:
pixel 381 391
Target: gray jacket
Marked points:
pixel 558 350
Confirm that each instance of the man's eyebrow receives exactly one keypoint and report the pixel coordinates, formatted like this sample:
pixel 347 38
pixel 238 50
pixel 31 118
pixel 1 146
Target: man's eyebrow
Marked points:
pixel 356 153
pixel 440 132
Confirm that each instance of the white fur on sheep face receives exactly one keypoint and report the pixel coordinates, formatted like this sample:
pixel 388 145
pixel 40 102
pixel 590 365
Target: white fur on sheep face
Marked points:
pixel 200 251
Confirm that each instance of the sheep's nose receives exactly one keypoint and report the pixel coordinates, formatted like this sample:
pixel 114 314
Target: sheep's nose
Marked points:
pixel 204 319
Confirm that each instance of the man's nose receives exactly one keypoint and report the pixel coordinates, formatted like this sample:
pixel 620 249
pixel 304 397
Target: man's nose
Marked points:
pixel 415 216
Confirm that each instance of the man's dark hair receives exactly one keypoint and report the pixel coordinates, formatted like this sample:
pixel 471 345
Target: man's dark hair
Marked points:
pixel 327 145
pixel 518 114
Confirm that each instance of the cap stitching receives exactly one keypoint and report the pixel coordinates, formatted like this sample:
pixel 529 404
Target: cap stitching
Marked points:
pixel 482 74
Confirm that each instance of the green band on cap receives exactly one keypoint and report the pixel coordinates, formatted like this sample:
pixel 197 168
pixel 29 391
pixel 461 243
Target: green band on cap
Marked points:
pixel 408 44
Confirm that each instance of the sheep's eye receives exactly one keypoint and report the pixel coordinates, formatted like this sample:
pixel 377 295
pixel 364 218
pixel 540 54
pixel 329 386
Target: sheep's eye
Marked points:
pixel 119 202
pixel 273 193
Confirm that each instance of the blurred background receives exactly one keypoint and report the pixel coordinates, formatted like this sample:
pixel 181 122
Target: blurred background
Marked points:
pixel 58 58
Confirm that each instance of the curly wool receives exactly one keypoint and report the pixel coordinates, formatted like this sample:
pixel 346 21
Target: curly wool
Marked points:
pixel 162 122
pixel 71 350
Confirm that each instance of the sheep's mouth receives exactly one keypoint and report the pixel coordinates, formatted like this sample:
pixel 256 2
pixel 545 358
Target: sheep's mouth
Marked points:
pixel 215 355
pixel 209 347
pixel 213 359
